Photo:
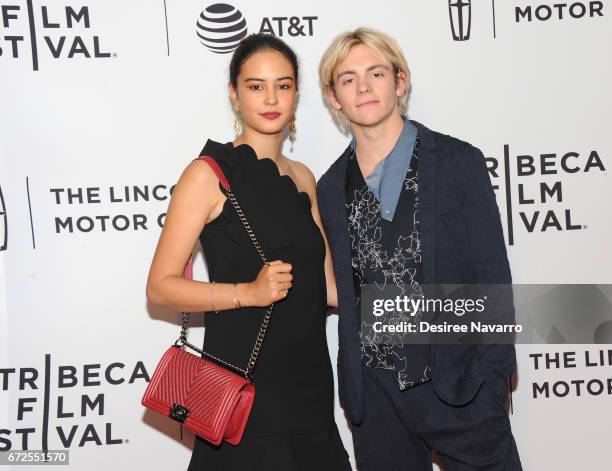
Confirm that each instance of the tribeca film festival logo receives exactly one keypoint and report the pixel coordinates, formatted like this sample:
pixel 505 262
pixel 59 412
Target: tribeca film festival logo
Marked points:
pixel 65 418
pixel 3 224
pixel 538 197
pixel 460 14
pixel 52 31
pixel 221 27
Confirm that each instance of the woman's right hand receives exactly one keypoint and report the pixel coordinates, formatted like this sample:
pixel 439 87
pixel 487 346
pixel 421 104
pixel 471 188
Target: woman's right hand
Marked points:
pixel 272 284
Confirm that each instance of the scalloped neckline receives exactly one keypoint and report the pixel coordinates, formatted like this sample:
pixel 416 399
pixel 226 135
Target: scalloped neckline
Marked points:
pixel 293 184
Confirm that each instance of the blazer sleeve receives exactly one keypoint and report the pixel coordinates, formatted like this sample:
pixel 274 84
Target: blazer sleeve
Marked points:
pixel 486 246
pixel 488 257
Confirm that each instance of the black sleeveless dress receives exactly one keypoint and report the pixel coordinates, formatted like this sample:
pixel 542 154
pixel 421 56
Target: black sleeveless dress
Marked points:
pixel 291 426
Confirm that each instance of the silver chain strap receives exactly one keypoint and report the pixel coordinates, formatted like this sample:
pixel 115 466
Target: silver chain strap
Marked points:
pixel 265 322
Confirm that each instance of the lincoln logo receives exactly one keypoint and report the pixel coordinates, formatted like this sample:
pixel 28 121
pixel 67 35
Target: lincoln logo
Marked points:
pixel 3 228
pixel 460 13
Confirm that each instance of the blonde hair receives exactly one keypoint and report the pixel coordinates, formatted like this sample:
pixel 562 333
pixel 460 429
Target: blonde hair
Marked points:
pixel 340 48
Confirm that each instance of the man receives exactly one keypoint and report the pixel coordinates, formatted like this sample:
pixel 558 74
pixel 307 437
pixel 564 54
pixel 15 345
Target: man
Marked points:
pixel 406 206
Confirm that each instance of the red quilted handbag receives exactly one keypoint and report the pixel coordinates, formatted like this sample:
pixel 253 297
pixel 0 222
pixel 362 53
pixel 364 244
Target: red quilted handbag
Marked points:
pixel 209 396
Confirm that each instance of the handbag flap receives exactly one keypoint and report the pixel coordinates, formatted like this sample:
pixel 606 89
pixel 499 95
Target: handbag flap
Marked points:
pixel 194 391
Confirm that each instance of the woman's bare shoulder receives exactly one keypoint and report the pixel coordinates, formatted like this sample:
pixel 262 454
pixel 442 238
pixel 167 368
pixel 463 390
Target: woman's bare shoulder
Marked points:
pixel 303 174
pixel 198 178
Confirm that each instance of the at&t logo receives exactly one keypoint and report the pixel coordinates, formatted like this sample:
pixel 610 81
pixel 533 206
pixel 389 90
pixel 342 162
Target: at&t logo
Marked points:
pixel 221 26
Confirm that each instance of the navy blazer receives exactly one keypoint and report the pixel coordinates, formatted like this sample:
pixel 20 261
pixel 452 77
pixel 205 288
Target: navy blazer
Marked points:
pixel 462 242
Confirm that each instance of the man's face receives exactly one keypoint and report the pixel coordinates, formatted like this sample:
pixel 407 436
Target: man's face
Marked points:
pixel 365 87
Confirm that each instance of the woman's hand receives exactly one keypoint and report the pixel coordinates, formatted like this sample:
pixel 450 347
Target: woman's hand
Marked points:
pixel 272 284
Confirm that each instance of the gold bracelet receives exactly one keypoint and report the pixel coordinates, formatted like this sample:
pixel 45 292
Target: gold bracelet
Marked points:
pixel 212 289
pixel 236 300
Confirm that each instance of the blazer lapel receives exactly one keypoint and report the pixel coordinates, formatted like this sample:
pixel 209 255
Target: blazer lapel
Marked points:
pixel 427 201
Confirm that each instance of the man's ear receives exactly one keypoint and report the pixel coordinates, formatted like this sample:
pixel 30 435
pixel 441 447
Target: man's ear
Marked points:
pixel 401 84
pixel 330 95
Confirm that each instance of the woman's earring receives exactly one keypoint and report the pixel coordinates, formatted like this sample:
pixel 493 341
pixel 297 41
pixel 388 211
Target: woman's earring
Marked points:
pixel 237 125
pixel 292 133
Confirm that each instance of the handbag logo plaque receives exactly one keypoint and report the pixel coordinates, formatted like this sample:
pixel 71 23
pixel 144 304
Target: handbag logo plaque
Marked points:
pixel 178 413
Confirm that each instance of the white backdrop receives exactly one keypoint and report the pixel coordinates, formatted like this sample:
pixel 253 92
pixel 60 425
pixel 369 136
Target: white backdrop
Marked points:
pixel 128 97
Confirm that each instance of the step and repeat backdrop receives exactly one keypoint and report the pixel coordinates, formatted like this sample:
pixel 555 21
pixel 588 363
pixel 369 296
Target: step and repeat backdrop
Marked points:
pixel 102 105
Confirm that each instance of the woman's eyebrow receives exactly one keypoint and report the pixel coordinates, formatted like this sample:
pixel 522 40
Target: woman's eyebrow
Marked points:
pixel 256 79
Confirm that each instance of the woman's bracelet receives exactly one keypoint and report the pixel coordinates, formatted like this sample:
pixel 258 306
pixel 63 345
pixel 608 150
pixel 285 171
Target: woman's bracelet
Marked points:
pixel 236 300
pixel 212 292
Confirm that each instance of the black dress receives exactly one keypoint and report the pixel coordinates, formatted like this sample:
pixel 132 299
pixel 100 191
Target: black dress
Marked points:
pixel 291 426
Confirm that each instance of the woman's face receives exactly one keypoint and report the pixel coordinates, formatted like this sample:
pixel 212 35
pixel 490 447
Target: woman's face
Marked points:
pixel 266 92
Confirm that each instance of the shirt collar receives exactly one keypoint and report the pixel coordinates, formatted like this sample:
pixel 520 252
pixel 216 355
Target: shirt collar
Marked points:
pixel 387 179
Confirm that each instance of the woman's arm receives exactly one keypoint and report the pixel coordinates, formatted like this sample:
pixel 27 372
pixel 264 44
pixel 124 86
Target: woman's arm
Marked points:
pixel 197 200
pixel 308 183
pixel 330 277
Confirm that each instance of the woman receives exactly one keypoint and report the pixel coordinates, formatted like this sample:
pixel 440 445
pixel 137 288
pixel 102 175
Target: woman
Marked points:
pixel 291 426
